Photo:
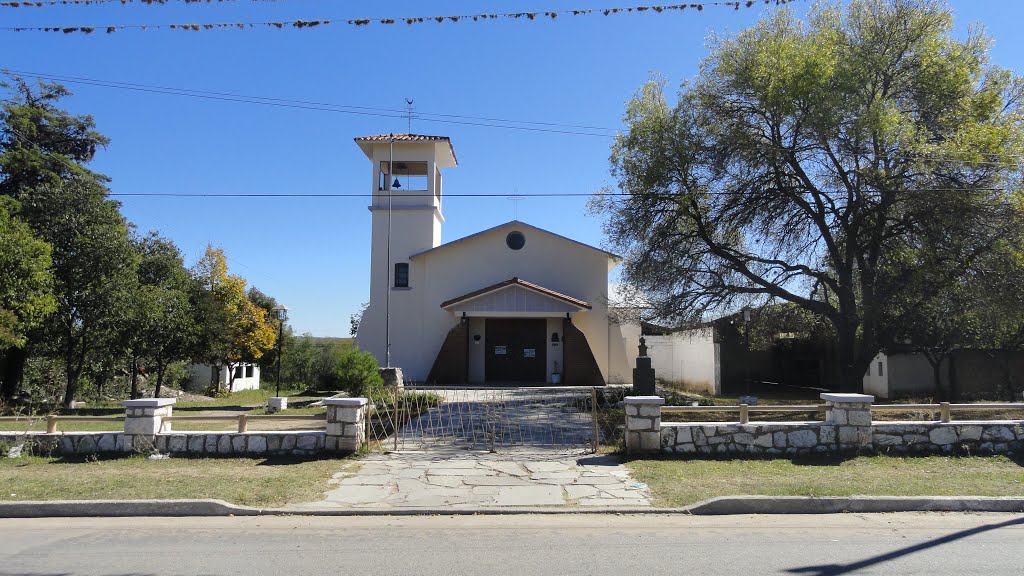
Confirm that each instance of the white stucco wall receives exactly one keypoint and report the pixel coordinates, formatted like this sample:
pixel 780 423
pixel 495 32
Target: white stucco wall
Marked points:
pixel 419 324
pixel 623 347
pixel 690 357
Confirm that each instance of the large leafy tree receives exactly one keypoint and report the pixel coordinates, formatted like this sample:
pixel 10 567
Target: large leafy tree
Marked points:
pixel 826 163
pixel 94 269
pixel 233 329
pixel 40 143
pixel 163 325
pixel 26 285
pixel 42 152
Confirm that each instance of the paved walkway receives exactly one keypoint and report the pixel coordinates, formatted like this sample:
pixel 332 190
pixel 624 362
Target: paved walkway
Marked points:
pixel 481 479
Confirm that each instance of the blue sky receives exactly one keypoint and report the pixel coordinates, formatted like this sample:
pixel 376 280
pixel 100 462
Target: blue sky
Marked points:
pixel 313 254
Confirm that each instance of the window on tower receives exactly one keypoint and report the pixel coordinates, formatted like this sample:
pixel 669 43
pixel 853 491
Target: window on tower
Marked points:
pixel 402 275
pixel 405 176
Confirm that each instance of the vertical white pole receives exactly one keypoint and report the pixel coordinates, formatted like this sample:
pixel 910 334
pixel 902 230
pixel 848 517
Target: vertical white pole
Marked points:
pixel 387 271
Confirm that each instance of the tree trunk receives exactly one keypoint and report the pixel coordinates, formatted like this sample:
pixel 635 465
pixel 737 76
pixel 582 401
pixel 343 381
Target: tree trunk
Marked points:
pixel 135 376
pixel 12 372
pixel 72 388
pixel 159 378
pixel 1004 363
pixel 954 388
pixel 849 380
pixel 940 391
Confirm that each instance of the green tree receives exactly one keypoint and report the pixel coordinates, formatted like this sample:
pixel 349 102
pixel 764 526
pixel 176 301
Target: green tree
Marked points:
pixel 357 372
pixel 163 324
pixel 39 144
pixel 94 269
pixel 823 163
pixel 26 288
pixel 233 329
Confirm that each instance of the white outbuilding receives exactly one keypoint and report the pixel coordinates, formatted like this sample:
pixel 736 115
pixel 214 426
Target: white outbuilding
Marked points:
pixel 513 304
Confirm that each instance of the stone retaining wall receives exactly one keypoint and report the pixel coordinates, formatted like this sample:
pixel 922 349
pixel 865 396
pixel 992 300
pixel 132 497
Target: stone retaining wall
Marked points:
pixel 789 438
pixel 847 428
pixel 297 443
pixel 981 437
pixel 801 438
pixel 146 430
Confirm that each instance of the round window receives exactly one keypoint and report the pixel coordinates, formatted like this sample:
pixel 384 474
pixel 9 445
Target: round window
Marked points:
pixel 515 240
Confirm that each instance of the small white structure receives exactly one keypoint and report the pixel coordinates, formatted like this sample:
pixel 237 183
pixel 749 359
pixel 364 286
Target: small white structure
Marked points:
pixel 900 374
pixel 505 305
pixel 247 376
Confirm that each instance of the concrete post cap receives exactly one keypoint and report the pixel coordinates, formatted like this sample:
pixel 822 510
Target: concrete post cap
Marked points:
pixel 839 398
pixel 655 400
pixel 149 402
pixel 350 402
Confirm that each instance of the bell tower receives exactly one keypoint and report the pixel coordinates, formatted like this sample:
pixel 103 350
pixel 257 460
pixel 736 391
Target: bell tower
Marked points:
pixel 406 213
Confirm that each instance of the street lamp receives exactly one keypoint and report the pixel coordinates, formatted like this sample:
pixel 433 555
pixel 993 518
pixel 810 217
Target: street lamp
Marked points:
pixel 746 337
pixel 282 316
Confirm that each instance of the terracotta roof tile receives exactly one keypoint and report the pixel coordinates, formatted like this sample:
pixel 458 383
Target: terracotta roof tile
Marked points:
pixel 402 138
pixel 408 138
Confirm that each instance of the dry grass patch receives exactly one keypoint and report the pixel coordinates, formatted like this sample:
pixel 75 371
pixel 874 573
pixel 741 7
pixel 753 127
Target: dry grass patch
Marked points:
pixel 247 481
pixel 683 482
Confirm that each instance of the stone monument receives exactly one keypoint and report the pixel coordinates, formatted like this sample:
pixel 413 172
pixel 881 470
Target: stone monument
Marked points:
pixel 643 374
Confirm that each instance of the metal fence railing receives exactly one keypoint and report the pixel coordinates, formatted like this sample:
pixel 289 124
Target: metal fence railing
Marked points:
pixel 494 419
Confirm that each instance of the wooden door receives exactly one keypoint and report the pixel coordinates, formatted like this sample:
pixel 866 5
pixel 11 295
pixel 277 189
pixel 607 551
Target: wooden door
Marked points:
pixel 516 350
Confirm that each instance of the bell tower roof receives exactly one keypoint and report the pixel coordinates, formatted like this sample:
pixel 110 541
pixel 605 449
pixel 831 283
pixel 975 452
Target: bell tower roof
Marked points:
pixel 442 144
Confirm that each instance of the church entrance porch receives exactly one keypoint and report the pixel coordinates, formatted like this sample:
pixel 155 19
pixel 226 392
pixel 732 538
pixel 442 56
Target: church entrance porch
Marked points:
pixel 515 351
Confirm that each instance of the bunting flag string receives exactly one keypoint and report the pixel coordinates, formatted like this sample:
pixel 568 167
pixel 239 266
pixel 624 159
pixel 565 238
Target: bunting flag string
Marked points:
pixel 47 3
pixel 361 22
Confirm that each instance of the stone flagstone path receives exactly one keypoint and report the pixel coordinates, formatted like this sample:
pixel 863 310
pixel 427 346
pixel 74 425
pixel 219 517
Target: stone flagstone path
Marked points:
pixel 481 479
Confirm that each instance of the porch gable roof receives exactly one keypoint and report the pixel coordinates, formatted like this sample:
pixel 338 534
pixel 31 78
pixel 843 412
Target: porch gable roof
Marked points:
pixel 515 283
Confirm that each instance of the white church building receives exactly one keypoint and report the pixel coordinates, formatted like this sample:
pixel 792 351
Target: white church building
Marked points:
pixel 513 304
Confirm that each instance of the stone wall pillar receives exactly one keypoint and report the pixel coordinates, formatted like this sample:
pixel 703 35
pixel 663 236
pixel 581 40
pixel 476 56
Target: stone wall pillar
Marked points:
pixel 346 424
pixel 143 419
pixel 850 414
pixel 643 424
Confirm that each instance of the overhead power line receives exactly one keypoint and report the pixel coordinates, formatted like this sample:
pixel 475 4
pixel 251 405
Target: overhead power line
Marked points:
pixel 498 196
pixel 410 20
pixel 325 106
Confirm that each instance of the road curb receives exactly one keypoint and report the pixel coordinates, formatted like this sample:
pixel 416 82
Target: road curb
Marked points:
pixel 727 505
pixel 863 504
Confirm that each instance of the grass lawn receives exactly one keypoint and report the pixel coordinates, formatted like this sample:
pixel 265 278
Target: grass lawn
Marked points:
pixel 683 482
pixel 248 481
pixel 251 398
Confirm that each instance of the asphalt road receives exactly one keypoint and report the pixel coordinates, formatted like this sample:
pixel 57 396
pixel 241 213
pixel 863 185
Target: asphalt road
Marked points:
pixel 904 544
